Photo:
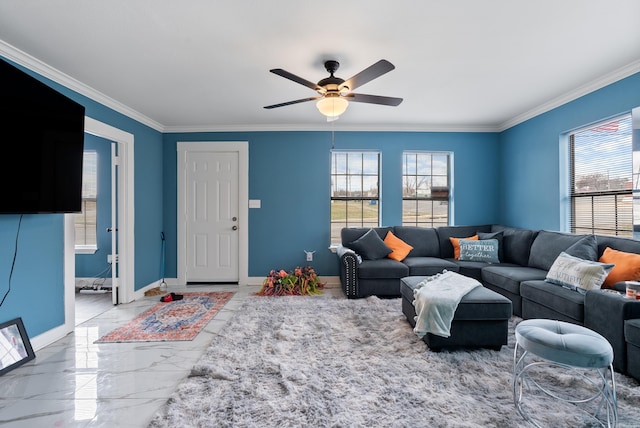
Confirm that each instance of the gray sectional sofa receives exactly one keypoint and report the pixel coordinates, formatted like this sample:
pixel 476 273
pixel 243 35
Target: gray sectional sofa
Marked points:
pixel 524 262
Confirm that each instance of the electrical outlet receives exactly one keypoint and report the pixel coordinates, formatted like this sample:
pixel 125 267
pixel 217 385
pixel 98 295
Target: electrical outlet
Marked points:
pixel 110 258
pixel 309 256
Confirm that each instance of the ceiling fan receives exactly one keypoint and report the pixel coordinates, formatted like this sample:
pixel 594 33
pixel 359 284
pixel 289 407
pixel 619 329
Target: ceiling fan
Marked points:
pixel 335 93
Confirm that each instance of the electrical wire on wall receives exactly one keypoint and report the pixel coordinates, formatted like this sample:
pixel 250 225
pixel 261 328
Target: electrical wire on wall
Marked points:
pixel 98 282
pixel 13 262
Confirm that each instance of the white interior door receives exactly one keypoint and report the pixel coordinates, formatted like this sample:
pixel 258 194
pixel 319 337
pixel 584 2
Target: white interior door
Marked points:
pixel 211 216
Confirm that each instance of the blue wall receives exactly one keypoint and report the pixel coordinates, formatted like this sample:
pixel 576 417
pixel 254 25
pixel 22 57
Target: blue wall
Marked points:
pixel 533 155
pixel 290 173
pixel 37 287
pixel 94 265
pixel 513 178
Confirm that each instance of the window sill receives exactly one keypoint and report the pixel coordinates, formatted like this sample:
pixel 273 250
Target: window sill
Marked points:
pixel 86 249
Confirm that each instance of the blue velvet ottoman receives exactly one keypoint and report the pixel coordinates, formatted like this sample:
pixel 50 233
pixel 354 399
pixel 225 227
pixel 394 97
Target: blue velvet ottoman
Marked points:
pixel 480 321
pixel 574 349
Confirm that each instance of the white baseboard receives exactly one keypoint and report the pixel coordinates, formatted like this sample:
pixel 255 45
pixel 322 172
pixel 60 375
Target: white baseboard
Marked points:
pixel 50 336
pixel 331 282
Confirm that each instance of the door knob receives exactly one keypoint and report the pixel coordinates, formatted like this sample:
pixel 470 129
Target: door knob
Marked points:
pixel 234 228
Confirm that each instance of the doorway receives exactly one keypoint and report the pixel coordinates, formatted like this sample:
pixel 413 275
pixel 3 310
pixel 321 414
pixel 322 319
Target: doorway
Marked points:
pixel 122 284
pixel 94 231
pixel 212 212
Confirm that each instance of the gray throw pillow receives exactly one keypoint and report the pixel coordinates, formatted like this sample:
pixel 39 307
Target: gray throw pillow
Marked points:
pixel 370 246
pixel 499 236
pixel 585 249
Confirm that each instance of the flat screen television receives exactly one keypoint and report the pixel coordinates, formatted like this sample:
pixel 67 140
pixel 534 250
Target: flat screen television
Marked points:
pixel 41 146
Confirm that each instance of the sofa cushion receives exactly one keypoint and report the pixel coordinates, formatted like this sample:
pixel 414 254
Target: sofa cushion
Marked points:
pixel 479 251
pixel 427 266
pixel 548 245
pixel 370 246
pixel 517 243
pixel 558 299
pixel 509 277
pixel 627 266
pixel 495 235
pixel 424 240
pixel 446 232
pixel 627 245
pixel 455 243
pixel 399 248
pixel 577 274
pixel 382 268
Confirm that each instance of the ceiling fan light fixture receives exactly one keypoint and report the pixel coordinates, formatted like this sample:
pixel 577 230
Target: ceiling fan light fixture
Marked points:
pixel 332 106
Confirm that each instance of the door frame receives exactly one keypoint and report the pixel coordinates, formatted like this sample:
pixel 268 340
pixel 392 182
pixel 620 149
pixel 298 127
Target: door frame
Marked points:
pixel 126 220
pixel 242 149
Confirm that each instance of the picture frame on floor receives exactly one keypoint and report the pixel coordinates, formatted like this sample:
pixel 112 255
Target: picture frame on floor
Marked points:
pixel 15 347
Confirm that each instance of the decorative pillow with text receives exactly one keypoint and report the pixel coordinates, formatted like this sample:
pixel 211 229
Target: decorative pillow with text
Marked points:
pixel 485 250
pixel 577 274
pixel 456 245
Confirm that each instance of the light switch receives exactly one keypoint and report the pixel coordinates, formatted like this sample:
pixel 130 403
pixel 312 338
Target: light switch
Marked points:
pixel 254 203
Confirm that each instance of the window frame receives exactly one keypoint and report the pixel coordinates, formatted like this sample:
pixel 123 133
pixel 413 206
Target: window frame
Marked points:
pixel 359 200
pixel 609 199
pixel 80 219
pixel 444 193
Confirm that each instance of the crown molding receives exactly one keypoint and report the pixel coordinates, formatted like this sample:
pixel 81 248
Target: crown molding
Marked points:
pixel 329 127
pixel 14 54
pixel 19 57
pixel 580 91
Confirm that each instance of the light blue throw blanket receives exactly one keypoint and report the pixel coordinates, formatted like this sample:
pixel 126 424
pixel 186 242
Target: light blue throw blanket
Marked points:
pixel 436 300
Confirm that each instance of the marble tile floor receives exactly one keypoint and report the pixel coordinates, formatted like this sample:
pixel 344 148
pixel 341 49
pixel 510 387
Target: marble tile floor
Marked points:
pixel 77 383
pixel 89 305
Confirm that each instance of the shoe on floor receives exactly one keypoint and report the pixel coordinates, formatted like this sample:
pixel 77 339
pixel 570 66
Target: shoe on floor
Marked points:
pixel 170 297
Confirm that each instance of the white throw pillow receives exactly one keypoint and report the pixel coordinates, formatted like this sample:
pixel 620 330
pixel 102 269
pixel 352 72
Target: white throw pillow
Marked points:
pixel 577 274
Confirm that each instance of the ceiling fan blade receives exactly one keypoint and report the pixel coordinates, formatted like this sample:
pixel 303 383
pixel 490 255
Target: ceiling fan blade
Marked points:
pixel 297 79
pixel 292 102
pixel 368 74
pixel 373 99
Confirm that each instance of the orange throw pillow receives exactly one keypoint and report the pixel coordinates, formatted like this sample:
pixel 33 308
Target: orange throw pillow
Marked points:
pixel 399 248
pixel 456 244
pixel 627 266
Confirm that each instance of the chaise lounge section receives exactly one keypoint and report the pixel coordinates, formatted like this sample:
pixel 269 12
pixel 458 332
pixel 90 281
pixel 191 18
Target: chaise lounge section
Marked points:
pixel 522 273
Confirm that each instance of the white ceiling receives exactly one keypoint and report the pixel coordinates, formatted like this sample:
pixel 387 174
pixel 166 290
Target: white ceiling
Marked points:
pixel 204 64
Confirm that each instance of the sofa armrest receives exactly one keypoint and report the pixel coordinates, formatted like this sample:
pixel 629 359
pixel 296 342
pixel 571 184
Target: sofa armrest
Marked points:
pixel 605 312
pixel 349 262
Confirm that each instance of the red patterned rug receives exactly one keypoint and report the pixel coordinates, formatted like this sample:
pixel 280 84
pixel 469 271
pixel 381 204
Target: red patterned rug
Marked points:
pixel 177 320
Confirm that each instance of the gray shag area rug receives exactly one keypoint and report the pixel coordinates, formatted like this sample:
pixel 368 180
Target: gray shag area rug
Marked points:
pixel 331 362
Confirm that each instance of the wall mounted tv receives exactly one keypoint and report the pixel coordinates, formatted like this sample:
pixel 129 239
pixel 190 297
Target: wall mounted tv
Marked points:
pixel 41 146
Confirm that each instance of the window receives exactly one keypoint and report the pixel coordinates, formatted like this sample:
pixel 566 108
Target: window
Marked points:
pixel 354 191
pixel 425 189
pixel 86 221
pixel 601 178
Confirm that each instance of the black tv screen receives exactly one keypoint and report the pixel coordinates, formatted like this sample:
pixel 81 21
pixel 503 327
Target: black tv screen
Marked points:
pixel 42 144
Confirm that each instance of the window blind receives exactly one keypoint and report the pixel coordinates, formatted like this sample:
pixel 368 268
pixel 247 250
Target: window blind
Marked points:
pixel 601 178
